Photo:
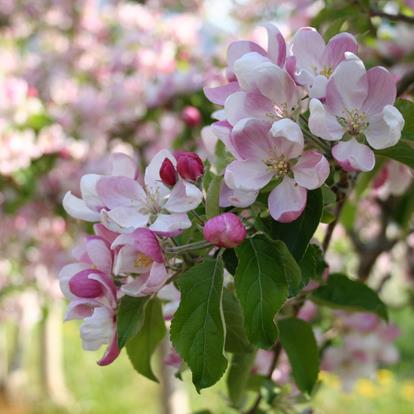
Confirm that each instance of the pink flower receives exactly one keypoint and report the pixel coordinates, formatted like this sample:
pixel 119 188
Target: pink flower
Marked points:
pixel 191 116
pixel 189 166
pixel 358 102
pixel 276 153
pixel 225 230
pixel 140 253
pixel 129 205
pixel 315 61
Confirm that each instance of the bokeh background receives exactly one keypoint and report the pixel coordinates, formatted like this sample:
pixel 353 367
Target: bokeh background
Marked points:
pixel 80 79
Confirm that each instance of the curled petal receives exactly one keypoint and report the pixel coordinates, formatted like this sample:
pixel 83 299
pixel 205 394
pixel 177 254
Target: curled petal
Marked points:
pixel 384 129
pixel 245 70
pixel 239 48
pixel 322 123
pixel 222 131
pixel 88 187
pixel 170 223
pixel 292 144
pixel 276 45
pixel 78 209
pixel 66 273
pixel 84 287
pixel 183 198
pixel 353 156
pixel 236 198
pixel 247 175
pixel 111 352
pixel 287 201
pixel 219 94
pixel 80 309
pixel 147 284
pixel 317 89
pixel 312 170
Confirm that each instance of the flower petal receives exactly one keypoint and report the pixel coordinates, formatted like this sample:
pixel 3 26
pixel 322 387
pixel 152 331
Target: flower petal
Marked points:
pixel 78 209
pixel 123 219
pixel 99 254
pixel 276 45
pixel 239 48
pixel 123 165
pixel 308 47
pixel 236 198
pixel 250 138
pixel 247 175
pixel 322 123
pixel 382 90
pixel 384 129
pixel 242 105
pixel 183 198
pixel 245 69
pixel 222 130
pixel 312 170
pixel 287 201
pixel 337 46
pixel 152 177
pixel 353 156
pixel 111 352
pixel 169 223
pixel 219 94
pixel 291 144
pixel 66 273
pixel 88 188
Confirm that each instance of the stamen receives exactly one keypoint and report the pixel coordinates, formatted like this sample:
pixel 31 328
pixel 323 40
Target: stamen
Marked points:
pixel 142 260
pixel 280 167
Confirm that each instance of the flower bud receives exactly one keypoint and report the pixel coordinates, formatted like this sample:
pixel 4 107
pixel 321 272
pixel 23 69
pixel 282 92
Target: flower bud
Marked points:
pixel 84 287
pixel 168 173
pixel 225 230
pixel 191 116
pixel 189 166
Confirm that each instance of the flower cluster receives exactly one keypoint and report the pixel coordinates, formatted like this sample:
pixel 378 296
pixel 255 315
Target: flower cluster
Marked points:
pixel 290 107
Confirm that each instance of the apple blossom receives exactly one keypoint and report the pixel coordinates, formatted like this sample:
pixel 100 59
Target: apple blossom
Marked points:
pixel 276 152
pixel 225 230
pixel 358 102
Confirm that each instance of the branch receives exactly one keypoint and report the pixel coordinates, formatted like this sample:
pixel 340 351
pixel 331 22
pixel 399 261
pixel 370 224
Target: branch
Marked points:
pixel 399 17
pixel 405 82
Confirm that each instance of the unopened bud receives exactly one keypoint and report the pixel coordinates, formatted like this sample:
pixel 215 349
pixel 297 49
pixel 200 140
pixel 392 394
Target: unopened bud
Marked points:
pixel 84 287
pixel 225 230
pixel 168 173
pixel 191 116
pixel 189 166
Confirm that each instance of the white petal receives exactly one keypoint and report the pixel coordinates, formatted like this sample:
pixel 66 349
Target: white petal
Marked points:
pixel 77 208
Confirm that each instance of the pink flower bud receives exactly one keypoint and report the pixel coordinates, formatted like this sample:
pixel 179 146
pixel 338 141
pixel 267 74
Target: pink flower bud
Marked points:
pixel 225 230
pixel 168 173
pixel 191 116
pixel 189 166
pixel 84 287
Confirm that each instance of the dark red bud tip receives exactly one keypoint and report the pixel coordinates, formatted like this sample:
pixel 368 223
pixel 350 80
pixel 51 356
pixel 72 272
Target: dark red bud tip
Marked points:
pixel 191 116
pixel 189 166
pixel 168 173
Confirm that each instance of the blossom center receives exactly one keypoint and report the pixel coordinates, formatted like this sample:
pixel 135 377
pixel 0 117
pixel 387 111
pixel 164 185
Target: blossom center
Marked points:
pixel 326 71
pixel 280 167
pixel 142 260
pixel 280 111
pixel 355 121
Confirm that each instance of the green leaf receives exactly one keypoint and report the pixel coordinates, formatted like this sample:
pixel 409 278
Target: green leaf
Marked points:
pixel 197 330
pixel 236 338
pixel 213 195
pixel 300 345
pixel 344 293
pixel 297 234
pixel 130 318
pixel 313 264
pixel 238 378
pixel 230 261
pixel 262 287
pixel 141 347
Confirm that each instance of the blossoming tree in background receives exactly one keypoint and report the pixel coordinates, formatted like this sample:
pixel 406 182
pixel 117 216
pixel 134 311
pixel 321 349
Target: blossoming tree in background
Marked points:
pixel 219 242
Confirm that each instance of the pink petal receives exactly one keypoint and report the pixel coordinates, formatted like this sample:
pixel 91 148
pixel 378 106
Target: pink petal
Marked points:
pixel 99 254
pixel 246 68
pixel 337 46
pixel 80 285
pixel 183 198
pixel 381 90
pixel 148 284
pixel 239 48
pixel 88 187
pixel 222 130
pixel 353 156
pixel 66 273
pixel 101 231
pixel 80 309
pixel 308 47
pixel 126 261
pixel 236 198
pixel 168 223
pixel 78 209
pixel 251 139
pixel 111 352
pixel 287 201
pixel 123 219
pixel 241 105
pixel 247 175
pixel 123 165
pixel 317 88
pixel 322 123
pixel 120 191
pixel 312 170
pixel 276 48
pixel 219 94
pixel 106 281
pixel 288 138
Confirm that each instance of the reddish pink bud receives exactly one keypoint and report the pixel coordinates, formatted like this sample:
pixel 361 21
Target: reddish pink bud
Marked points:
pixel 191 116
pixel 80 285
pixel 189 166
pixel 168 173
pixel 225 230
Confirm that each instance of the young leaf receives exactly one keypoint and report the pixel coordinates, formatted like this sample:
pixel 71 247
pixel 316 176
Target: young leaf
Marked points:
pixel 297 235
pixel 300 345
pixel 141 347
pixel 261 286
pixel 213 195
pixel 342 292
pixel 312 264
pixel 238 378
pixel 131 313
pixel 197 330
pixel 236 338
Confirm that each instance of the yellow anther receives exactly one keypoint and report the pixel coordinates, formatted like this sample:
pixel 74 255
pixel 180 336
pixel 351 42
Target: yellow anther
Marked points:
pixel 142 260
